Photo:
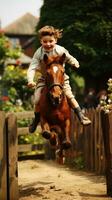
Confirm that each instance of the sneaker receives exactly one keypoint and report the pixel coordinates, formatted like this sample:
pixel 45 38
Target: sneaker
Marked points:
pixel 85 121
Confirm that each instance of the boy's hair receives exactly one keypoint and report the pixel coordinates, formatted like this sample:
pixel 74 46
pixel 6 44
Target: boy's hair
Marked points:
pixel 51 31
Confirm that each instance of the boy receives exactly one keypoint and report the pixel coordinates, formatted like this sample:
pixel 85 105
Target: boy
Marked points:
pixel 48 36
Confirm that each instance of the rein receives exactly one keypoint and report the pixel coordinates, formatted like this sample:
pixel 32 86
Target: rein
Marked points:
pixel 55 84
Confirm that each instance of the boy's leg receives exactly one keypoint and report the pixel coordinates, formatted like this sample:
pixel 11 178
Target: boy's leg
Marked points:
pixel 74 104
pixel 36 120
pixel 82 118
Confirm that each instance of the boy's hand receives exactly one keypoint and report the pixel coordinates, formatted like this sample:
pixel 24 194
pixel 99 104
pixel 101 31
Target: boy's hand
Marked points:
pixel 77 65
pixel 31 84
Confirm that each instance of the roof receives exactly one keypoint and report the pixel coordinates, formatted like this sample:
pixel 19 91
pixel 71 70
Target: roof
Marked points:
pixel 24 25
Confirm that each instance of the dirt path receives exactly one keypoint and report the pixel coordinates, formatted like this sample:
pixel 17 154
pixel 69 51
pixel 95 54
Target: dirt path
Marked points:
pixel 48 180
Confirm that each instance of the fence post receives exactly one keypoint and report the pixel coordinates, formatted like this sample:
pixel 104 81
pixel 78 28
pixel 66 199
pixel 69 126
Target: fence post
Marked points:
pixel 3 159
pixel 12 156
pixel 107 135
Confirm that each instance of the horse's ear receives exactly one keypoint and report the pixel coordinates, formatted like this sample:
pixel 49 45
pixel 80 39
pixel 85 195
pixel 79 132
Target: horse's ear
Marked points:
pixel 45 58
pixel 62 58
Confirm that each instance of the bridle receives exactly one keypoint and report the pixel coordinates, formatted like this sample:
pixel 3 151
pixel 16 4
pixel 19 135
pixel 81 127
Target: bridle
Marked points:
pixel 53 85
pixel 55 101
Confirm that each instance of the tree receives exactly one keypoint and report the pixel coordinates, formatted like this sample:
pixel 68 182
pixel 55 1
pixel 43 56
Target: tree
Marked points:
pixel 87 34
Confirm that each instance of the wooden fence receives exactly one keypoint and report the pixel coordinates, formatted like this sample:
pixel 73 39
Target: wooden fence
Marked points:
pixel 88 142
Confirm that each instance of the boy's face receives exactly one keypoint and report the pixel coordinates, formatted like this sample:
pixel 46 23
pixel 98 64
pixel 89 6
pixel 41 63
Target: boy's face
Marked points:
pixel 48 42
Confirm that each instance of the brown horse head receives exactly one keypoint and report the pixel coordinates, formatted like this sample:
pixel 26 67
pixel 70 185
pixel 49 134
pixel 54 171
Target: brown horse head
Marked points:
pixel 54 77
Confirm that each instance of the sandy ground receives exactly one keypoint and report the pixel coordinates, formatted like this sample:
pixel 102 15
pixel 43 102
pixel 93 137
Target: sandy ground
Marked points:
pixel 48 180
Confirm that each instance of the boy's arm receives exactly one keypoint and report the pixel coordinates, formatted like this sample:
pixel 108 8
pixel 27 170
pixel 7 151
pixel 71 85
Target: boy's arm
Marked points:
pixel 71 60
pixel 34 65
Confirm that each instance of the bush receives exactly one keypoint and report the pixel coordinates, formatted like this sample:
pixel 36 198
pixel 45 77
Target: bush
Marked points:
pixel 15 83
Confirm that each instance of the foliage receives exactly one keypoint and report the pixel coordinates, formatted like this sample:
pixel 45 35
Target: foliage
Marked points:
pixel 87 32
pixel 15 82
pixel 7 50
pixel 35 138
pixel 12 80
pixel 8 106
pixel 106 103
pixel 77 162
